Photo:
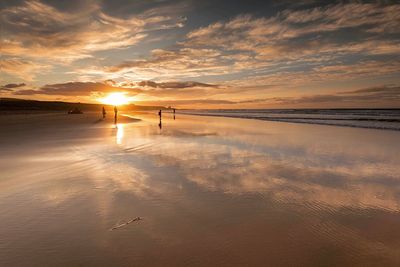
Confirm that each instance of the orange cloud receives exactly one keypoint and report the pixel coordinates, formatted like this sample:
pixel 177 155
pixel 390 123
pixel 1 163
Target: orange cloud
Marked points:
pixel 35 29
pixel 246 43
pixel 24 69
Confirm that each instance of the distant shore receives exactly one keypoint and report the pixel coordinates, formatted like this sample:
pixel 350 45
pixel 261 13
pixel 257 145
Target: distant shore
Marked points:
pixel 29 112
pixel 23 106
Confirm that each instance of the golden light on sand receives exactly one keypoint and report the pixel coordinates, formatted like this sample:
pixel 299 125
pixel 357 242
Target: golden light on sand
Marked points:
pixel 115 99
pixel 120 134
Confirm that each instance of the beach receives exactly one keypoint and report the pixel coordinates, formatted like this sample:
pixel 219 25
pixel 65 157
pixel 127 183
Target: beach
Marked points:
pixel 76 190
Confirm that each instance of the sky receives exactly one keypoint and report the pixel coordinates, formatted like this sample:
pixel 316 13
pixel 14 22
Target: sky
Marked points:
pixel 203 54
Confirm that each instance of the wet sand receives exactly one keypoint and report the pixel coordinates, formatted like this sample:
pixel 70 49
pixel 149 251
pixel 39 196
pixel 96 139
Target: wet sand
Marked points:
pixel 199 191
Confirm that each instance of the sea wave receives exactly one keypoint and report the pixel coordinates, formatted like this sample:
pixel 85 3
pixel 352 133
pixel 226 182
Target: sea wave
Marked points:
pixel 386 119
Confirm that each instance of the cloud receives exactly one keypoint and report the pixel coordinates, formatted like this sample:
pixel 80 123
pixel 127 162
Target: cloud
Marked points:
pixel 71 89
pixel 198 94
pixel 166 64
pixel 366 68
pixel 246 32
pixel 188 102
pixel 148 88
pixel 380 94
pixel 24 69
pixel 173 89
pixel 376 17
pixel 36 29
pixel 310 37
pixel 11 86
pixel 384 95
pixel 174 85
pixel 255 60
pixel 389 89
pixel 287 78
pixel 386 92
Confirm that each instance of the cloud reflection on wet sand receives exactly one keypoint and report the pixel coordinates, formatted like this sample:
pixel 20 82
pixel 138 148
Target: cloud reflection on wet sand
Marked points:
pixel 212 191
pixel 287 168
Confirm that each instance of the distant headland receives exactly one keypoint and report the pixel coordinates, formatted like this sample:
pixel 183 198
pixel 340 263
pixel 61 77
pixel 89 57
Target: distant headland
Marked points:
pixel 15 105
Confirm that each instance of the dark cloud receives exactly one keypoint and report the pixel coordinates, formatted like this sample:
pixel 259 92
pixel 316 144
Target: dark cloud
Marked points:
pixel 73 89
pixel 379 94
pixel 185 102
pixel 174 85
pixel 11 86
pixel 374 91
pixel 90 88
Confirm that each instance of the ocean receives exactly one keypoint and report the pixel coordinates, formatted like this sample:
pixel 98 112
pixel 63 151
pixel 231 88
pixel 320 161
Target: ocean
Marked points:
pixel 388 119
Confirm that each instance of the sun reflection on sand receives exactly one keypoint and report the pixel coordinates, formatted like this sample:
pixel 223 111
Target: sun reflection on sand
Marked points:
pixel 120 133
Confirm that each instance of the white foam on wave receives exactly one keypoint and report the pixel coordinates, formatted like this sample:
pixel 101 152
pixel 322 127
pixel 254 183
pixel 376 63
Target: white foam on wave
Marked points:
pixel 386 119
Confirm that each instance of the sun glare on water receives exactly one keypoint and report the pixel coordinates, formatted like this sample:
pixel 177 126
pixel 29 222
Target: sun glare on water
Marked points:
pixel 115 99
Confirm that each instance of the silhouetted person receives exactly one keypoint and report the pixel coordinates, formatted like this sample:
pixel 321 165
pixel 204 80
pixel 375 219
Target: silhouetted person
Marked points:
pixel 174 111
pixel 104 113
pixel 160 115
pixel 115 114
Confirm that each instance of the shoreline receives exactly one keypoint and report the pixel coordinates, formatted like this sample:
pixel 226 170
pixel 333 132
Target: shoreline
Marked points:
pixel 310 121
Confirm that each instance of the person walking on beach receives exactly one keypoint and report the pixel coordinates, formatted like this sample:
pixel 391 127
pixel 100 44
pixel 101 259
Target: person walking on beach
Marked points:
pixel 174 114
pixel 104 113
pixel 115 114
pixel 159 115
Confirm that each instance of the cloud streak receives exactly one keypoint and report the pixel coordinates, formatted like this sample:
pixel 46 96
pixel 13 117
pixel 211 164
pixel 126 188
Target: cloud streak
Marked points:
pixel 388 95
pixel 71 89
pixel 186 94
pixel 86 89
pixel 24 69
pixel 11 86
pixel 173 85
pixel 381 94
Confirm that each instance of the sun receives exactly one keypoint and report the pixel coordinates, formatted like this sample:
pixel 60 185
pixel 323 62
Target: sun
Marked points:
pixel 115 99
